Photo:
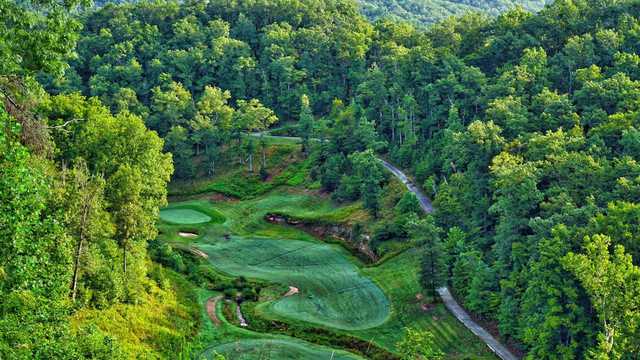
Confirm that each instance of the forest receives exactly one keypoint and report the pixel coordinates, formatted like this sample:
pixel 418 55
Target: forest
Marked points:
pixel 426 12
pixel 522 128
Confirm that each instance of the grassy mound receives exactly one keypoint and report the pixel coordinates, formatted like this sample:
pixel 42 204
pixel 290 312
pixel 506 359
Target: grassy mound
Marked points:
pixel 332 292
pixel 276 349
pixel 191 213
pixel 184 216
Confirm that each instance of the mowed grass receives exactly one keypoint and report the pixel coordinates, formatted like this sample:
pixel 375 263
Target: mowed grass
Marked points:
pixel 397 277
pixel 280 349
pixel 184 216
pixel 332 291
pixel 239 343
pixel 190 213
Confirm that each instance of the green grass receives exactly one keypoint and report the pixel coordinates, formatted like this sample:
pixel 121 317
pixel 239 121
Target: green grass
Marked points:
pixel 281 349
pixel 191 213
pixel 156 326
pixel 184 216
pixel 284 167
pixel 260 250
pixel 398 277
pixel 332 291
pixel 239 343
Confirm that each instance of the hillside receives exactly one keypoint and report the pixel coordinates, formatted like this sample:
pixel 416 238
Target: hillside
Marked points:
pixel 430 11
pixel 228 180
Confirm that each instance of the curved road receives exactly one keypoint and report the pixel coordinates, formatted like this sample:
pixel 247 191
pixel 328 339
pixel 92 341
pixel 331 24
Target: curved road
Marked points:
pixel 444 292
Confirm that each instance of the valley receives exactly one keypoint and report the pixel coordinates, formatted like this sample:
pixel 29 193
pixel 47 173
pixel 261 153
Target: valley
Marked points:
pixel 364 305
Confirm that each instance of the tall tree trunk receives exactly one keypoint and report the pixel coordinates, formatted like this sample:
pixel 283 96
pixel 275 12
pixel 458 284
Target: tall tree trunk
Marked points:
pixel 74 282
pixel 124 260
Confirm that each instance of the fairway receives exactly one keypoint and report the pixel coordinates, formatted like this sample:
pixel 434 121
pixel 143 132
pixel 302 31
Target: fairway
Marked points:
pixel 184 216
pixel 276 349
pixel 332 291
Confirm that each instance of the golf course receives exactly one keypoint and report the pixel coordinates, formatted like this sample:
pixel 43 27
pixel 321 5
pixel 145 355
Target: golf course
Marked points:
pixel 309 287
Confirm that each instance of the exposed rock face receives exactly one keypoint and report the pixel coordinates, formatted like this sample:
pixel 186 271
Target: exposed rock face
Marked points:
pixel 340 232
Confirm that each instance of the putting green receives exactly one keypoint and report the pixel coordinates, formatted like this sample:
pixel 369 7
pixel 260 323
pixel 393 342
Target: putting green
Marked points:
pixel 184 216
pixel 279 349
pixel 332 291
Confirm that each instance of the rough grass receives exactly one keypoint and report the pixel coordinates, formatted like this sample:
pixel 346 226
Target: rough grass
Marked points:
pixel 157 326
pixel 284 167
pixel 332 292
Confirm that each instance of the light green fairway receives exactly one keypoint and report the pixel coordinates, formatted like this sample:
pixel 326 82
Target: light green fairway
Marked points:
pixel 184 216
pixel 332 291
pixel 280 349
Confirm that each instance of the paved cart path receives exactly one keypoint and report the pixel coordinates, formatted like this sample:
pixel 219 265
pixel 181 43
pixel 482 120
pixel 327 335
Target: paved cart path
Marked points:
pixel 444 292
pixel 448 300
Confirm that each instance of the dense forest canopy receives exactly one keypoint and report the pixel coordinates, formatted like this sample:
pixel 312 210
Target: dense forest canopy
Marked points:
pixel 80 190
pixel 523 128
pixel 431 11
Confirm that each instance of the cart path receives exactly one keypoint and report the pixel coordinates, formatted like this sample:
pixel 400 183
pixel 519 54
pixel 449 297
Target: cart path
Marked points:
pixel 211 309
pixel 425 203
pixel 448 300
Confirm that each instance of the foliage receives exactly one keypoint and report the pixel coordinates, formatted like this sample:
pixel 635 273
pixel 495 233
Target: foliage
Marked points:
pixel 432 11
pixel 34 285
pixel 418 344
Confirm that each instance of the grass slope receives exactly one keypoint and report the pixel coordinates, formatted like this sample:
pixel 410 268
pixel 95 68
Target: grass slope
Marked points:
pixel 239 343
pixel 158 326
pixel 397 277
pixel 332 292
pixel 281 349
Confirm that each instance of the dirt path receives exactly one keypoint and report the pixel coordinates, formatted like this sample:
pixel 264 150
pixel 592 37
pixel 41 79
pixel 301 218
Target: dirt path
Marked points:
pixel 211 309
pixel 444 292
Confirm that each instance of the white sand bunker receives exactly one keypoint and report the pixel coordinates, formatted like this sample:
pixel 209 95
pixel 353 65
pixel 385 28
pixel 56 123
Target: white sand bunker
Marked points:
pixel 186 234
pixel 292 291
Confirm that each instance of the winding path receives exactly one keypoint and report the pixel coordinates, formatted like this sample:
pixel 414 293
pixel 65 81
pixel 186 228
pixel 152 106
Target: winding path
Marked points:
pixel 500 350
pixel 444 292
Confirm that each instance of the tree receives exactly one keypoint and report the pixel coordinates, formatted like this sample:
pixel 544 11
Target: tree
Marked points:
pixel 306 126
pixel 35 275
pixel 177 143
pixel 550 322
pixel 613 285
pixel 48 26
pixel 136 172
pixel 408 204
pixel 367 177
pixel 252 116
pixel 86 218
pixel 432 270
pixel 418 344
pixel 171 105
